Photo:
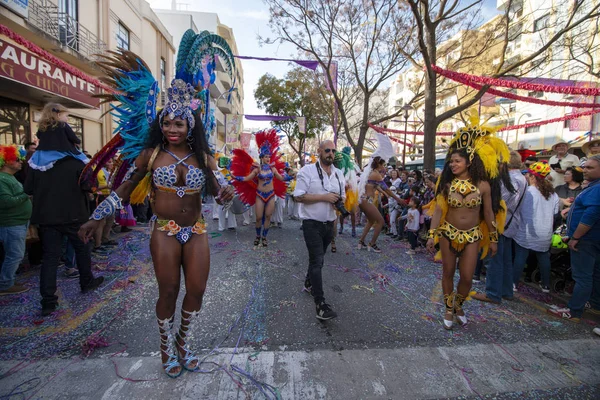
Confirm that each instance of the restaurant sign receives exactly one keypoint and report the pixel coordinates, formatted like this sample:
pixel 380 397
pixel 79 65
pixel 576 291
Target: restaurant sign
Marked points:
pixel 22 66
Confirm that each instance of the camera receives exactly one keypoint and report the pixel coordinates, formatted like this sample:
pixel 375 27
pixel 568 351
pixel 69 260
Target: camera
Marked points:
pixel 339 206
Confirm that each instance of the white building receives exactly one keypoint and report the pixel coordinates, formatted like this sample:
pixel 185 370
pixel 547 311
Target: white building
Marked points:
pixel 533 22
pixel 178 22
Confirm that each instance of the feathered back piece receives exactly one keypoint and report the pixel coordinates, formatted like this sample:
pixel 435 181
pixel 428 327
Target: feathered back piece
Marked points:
pixel 196 64
pixel 343 161
pixel 480 140
pixel 242 164
pixel 135 93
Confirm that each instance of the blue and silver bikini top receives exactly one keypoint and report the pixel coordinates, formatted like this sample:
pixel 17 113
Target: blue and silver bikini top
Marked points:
pixel 265 172
pixel 165 178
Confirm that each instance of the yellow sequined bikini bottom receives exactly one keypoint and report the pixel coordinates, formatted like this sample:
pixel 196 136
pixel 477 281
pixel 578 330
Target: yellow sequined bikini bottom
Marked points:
pixel 459 239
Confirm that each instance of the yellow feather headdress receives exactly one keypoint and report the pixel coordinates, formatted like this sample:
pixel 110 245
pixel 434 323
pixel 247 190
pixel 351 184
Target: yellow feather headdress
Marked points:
pixel 480 139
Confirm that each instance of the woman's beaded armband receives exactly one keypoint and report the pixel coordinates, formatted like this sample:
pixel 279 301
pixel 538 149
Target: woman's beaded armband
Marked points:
pixel 108 207
pixel 494 237
pixel 431 234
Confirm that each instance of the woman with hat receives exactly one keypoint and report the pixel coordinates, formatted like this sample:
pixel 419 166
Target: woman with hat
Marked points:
pixel 535 227
pixel 559 162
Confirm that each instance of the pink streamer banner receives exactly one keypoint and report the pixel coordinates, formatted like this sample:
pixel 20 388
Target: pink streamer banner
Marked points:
pixel 506 128
pixel 517 84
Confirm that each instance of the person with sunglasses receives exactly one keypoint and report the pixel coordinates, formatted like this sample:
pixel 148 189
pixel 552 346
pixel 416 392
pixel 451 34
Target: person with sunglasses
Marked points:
pixel 320 190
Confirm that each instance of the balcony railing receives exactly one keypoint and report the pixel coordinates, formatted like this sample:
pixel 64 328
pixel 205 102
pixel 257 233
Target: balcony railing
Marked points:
pixel 64 28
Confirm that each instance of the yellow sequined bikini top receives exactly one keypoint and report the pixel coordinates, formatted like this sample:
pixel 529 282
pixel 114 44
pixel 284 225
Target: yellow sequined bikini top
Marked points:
pixel 463 188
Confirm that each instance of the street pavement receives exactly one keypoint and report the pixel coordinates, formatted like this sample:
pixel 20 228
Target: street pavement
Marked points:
pixel 258 337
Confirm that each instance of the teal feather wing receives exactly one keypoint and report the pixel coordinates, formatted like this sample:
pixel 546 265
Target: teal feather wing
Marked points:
pixel 184 48
pixel 136 91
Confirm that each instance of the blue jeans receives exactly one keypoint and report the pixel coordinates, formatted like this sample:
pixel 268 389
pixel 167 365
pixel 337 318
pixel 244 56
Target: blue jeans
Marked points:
pixel 543 259
pixel 499 278
pixel 13 240
pixel 585 269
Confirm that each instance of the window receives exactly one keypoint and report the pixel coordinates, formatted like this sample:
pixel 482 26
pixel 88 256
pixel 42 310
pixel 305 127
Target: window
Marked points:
pixel 532 129
pixel 77 126
pixel 68 23
pixel 14 122
pixel 123 37
pixel 541 23
pixel 536 93
pixel 163 74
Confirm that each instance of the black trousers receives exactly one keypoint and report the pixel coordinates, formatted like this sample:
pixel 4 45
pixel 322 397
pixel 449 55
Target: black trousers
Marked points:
pixel 317 236
pixel 412 239
pixel 52 236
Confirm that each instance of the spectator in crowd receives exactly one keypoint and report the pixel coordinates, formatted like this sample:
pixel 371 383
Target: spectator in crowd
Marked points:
pixel 529 161
pixel 535 229
pixel 60 205
pixel 15 211
pixel 590 148
pixel 394 212
pixel 413 216
pixel 571 188
pixel 584 245
pixel 499 278
pixel 102 235
pixel 57 139
pixel 30 146
pixel 560 161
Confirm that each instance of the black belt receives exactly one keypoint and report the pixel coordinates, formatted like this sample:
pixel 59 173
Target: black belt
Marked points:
pixel 319 222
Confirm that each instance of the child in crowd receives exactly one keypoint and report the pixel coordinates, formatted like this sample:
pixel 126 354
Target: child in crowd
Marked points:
pixel 57 139
pixel 394 212
pixel 413 217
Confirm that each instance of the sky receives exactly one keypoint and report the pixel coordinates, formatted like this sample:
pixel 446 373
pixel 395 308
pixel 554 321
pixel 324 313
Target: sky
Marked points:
pixel 249 19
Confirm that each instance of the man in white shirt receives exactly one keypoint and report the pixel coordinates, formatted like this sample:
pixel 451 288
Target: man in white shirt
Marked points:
pixel 319 187
pixel 559 163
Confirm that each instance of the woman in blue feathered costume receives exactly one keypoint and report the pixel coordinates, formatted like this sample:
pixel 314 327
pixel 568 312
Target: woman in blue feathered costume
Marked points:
pixel 169 158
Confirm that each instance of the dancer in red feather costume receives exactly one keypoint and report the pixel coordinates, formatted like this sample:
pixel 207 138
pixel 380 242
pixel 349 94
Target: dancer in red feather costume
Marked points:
pixel 256 184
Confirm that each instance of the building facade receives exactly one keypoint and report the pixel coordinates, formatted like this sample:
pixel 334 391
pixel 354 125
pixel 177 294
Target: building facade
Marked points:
pixel 566 63
pixel 533 22
pixel 228 115
pixel 47 53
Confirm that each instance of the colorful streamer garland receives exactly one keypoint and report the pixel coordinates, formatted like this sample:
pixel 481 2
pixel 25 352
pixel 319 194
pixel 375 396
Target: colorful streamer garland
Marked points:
pixel 514 84
pixel 49 57
pixel 512 96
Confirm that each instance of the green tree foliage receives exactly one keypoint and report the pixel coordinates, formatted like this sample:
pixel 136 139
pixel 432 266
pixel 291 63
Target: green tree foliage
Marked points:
pixel 299 94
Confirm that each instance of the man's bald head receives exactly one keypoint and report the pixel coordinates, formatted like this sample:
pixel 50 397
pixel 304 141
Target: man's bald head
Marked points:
pixel 326 152
pixel 326 144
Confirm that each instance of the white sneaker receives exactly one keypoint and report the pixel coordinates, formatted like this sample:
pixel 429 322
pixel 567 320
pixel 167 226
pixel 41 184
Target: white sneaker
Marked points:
pixel 411 252
pixel 596 331
pixel 515 288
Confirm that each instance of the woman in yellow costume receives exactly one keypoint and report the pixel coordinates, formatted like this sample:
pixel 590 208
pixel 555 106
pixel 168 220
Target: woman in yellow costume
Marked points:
pixel 468 213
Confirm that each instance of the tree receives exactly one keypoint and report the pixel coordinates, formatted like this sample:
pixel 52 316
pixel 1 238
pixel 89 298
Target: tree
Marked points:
pixel 437 20
pixel 359 38
pixel 298 94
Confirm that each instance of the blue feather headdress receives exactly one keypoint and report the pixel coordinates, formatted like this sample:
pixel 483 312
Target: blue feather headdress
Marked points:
pixel 136 91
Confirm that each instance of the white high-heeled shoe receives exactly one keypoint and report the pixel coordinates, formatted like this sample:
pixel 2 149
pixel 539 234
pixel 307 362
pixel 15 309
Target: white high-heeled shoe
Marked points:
pixel 449 304
pixel 459 299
